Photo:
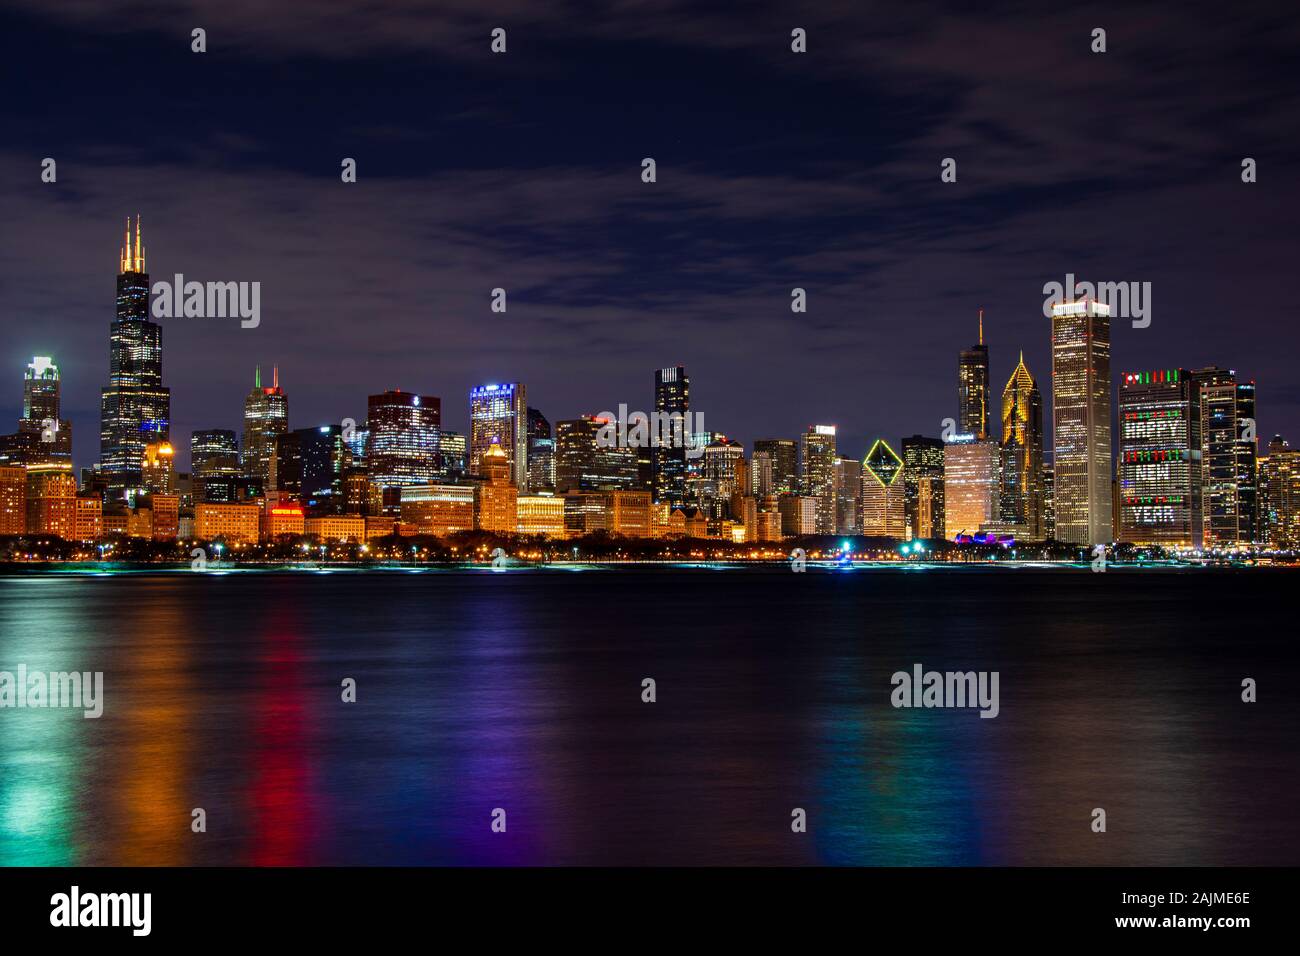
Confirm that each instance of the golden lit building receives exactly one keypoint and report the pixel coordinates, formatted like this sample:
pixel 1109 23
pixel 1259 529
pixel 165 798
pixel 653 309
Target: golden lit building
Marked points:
pixel 1022 453
pixel 1280 504
pixel 437 509
pixel 337 528
pixel 237 524
pixel 629 513
pixel 883 501
pixel 541 514
pixel 283 518
pixel 13 499
pixel 139 522
pixel 89 518
pixel 971 485
pixel 380 526
pixel 116 522
pixel 52 500
pixel 157 471
pixel 166 516
pixel 496 499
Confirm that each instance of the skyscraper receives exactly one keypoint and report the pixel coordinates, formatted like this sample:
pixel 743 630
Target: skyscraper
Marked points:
pixel 1160 459
pixel 883 492
pixel 1081 421
pixel 214 465
pixel 42 436
pixel 784 454
pixel 973 387
pixel 404 438
pixel 499 416
pixel 135 407
pixel 668 463
pixel 923 498
pixel 309 464
pixel 817 472
pixel 266 415
pixel 496 499
pixel 972 479
pixel 848 495
pixel 541 452
pixel 1022 459
pixel 582 463
pixel 1280 503
pixel 214 452
pixel 1230 500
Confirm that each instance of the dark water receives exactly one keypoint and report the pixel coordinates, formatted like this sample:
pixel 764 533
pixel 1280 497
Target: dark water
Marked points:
pixel 522 691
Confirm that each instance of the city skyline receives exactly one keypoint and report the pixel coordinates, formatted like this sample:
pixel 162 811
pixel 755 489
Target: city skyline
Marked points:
pixel 511 172
pixel 973 401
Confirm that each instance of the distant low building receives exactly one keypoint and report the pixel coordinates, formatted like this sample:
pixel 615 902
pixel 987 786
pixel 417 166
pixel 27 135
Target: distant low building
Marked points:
pixel 236 523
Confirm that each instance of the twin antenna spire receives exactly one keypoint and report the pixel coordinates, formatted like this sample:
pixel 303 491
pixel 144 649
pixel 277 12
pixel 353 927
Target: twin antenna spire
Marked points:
pixel 132 259
pixel 275 376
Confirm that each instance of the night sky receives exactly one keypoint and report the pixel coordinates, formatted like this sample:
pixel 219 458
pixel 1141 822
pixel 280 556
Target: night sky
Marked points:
pixel 523 171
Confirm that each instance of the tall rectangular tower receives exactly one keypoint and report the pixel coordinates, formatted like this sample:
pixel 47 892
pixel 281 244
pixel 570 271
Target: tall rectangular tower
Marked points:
pixel 499 416
pixel 1081 421
pixel 668 464
pixel 135 408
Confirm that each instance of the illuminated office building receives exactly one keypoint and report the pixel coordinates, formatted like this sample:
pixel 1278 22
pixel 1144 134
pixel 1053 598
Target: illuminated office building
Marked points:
pixel 1159 474
pixel 724 464
pixel 1280 496
pixel 438 509
pixel 166 510
pixel 1022 454
pixel 973 387
pixel 1229 492
pixel 135 407
pixel 309 464
pixel 784 455
pixel 848 495
pixel 232 523
pixel 89 520
pixel 923 486
pixel 541 453
pixel 52 500
pixel 158 468
pixel 454 452
pixel 13 499
pixel 499 416
pixel 266 416
pixel 668 461
pixel 51 435
pixel 582 464
pixel 214 452
pixel 1081 421
pixel 883 510
pixel 541 514
pixel 972 485
pixel 496 504
pixel 817 472
pixel 404 440
pixel 798 515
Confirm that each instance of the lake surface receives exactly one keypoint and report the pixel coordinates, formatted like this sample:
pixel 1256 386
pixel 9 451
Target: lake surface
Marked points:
pixel 522 690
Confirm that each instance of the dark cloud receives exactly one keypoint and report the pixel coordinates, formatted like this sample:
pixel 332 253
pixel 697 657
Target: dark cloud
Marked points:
pixel 523 172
